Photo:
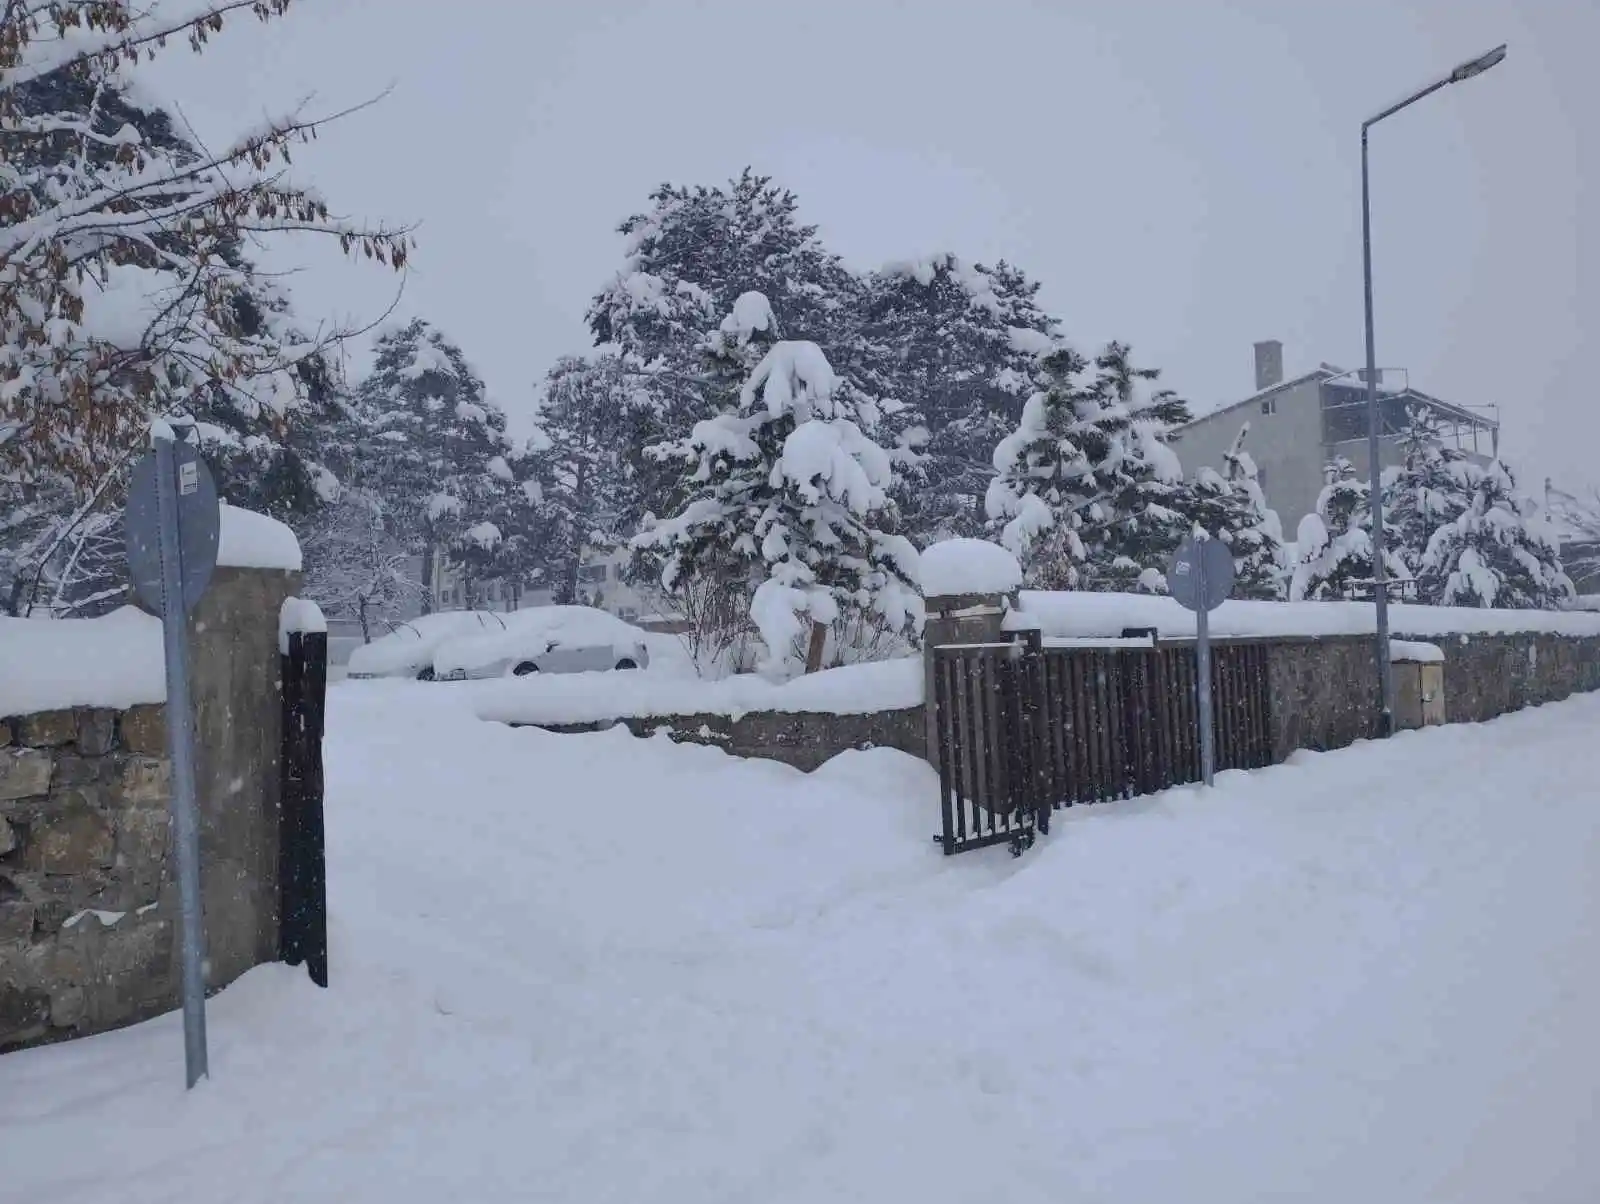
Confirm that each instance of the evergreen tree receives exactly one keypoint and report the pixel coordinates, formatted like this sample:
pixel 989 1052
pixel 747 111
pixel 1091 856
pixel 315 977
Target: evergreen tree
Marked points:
pixel 787 490
pixel 434 449
pixel 951 350
pixel 1044 477
pixel 1498 552
pixel 1142 513
pixel 580 457
pixel 1334 543
pixel 1432 486
pixel 1231 506
pixel 1089 495
pixel 689 259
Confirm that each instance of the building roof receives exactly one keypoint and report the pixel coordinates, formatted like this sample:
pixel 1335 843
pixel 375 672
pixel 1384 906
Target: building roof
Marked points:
pixel 1327 372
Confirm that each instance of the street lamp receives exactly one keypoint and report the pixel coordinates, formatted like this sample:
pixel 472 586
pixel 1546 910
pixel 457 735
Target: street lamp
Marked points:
pixel 1380 574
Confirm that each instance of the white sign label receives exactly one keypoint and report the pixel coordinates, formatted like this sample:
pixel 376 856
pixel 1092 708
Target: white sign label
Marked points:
pixel 188 478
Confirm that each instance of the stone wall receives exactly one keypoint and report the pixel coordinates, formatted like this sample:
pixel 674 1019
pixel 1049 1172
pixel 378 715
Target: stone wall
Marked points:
pixel 803 739
pixel 1324 693
pixel 88 892
pixel 1489 675
pixel 1324 690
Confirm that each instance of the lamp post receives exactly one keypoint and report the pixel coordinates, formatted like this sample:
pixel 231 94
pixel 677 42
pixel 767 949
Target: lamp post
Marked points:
pixel 1380 574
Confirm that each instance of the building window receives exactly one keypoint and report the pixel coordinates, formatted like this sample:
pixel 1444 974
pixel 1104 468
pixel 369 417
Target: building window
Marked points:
pixel 593 573
pixel 1269 406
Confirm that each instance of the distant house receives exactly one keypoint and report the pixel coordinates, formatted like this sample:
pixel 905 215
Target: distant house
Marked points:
pixel 1298 426
pixel 602 583
pixel 1580 553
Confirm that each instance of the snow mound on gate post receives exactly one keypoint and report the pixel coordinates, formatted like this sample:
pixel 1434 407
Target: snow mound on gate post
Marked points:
pixel 249 540
pixel 956 567
pixel 298 615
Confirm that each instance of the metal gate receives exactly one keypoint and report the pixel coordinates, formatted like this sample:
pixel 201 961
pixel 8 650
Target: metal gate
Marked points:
pixel 1021 729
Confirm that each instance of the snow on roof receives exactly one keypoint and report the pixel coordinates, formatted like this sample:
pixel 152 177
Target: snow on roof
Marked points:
pixel 256 541
pixel 1085 614
pixel 968 566
pixel 596 697
pixel 113 661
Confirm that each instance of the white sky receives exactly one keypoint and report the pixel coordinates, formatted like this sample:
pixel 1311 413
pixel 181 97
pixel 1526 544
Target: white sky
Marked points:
pixel 1182 174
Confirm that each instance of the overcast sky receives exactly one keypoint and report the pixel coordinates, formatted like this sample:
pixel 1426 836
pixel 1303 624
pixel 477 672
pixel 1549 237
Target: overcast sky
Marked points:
pixel 1181 174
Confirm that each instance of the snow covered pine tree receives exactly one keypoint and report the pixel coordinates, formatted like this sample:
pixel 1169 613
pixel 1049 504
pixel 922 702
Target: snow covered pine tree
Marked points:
pixel 1231 506
pixel 688 260
pixel 1044 480
pixel 435 452
pixel 950 351
pixel 1133 532
pixel 788 487
pixel 1430 487
pixel 580 458
pixel 1333 558
pixel 1088 494
pixel 1498 552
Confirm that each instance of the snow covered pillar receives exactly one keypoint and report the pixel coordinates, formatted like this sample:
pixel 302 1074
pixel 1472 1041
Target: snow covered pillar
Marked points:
pixel 968 585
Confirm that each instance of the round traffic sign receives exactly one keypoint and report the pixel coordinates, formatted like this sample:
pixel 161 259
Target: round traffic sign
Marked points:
pixel 199 526
pixel 1201 574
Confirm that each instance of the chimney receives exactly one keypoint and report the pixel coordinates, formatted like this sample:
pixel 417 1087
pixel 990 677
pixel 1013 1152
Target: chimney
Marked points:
pixel 1269 364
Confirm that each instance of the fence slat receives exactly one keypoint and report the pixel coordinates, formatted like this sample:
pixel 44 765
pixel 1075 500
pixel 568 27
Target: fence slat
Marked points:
pixel 949 751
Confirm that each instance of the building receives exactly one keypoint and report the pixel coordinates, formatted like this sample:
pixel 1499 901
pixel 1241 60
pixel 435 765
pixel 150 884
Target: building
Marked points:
pixel 1573 521
pixel 602 582
pixel 1299 426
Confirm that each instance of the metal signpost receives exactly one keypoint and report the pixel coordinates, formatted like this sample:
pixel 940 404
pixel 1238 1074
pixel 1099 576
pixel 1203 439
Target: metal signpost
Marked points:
pixel 173 525
pixel 1201 578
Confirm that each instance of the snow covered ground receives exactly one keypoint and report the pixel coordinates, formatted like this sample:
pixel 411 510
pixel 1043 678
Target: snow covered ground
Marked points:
pixel 590 968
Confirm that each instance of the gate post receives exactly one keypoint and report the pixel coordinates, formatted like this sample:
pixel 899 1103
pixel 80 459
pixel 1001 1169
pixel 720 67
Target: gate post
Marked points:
pixel 956 619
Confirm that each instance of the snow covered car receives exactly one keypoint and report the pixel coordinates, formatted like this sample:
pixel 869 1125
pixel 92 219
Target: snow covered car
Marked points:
pixel 544 639
pixel 408 650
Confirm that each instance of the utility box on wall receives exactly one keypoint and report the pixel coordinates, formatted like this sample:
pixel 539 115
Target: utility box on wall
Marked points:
pixel 1418 693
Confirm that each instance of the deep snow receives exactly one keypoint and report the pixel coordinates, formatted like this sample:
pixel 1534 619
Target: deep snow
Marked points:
pixel 592 968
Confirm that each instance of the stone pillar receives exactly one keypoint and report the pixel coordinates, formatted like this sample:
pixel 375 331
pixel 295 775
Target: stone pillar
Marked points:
pixel 957 619
pixel 88 895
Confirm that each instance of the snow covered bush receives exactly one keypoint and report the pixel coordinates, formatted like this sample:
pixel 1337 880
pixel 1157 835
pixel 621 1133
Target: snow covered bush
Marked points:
pixel 789 491
pixel 1333 546
pixel 1497 553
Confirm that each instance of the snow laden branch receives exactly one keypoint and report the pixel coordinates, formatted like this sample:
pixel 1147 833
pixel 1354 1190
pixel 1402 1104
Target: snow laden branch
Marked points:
pixel 125 291
pixel 39 37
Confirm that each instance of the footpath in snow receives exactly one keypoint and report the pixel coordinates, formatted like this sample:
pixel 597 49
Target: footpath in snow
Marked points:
pixel 593 968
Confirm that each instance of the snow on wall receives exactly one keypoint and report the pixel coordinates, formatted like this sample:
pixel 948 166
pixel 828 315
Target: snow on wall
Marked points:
pixel 1412 652
pixel 968 566
pixel 49 664
pixel 254 541
pixel 1092 614
pixel 593 697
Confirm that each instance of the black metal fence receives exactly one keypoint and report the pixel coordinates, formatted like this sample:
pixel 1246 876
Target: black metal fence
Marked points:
pixel 1021 729
pixel 302 866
